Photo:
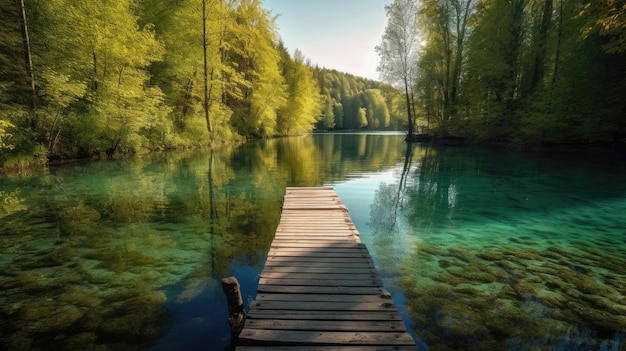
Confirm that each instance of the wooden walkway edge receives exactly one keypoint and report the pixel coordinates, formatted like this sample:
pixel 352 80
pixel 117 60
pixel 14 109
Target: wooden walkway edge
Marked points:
pixel 319 289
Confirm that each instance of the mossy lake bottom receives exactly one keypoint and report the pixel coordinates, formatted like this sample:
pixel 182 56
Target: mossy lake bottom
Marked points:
pixel 481 249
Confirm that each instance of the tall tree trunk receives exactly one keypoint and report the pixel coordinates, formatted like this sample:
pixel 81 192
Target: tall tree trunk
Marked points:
pixel 28 57
pixel 512 59
pixel 558 44
pixel 462 16
pixel 408 109
pixel 95 69
pixel 206 67
pixel 540 45
pixel 413 107
pixel 446 81
pixel 180 122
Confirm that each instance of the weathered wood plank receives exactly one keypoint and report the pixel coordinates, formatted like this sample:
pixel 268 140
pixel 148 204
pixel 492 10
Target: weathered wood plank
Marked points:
pixel 344 238
pixel 320 264
pixel 330 266
pixel 327 348
pixel 315 253
pixel 341 260
pixel 315 276
pixel 291 337
pixel 298 251
pixel 313 229
pixel 321 256
pixel 325 270
pixel 321 206
pixel 324 298
pixel 312 222
pixel 320 282
pixel 338 214
pixel 315 246
pixel 322 325
pixel 320 232
pixel 322 306
pixel 303 289
pixel 306 251
pixel 325 315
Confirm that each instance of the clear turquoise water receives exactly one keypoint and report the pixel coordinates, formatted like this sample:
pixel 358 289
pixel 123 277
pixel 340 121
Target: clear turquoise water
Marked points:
pixel 499 250
pixel 481 249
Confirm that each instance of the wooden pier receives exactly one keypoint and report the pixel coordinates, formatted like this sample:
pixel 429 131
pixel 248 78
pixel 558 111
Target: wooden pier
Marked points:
pixel 319 289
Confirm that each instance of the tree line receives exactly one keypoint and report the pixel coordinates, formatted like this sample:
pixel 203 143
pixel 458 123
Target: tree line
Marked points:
pixel 81 78
pixel 353 103
pixel 516 71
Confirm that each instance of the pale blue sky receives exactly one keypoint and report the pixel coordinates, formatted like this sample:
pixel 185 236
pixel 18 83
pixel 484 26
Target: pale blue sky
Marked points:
pixel 336 34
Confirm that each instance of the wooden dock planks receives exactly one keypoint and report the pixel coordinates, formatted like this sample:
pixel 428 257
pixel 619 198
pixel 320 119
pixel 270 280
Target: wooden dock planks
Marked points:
pixel 319 289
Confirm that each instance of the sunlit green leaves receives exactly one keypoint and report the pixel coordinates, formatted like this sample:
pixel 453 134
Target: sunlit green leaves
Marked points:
pixel 608 17
pixel 133 75
pixel 259 62
pixel 5 134
pixel 99 54
pixel 522 71
pixel 304 102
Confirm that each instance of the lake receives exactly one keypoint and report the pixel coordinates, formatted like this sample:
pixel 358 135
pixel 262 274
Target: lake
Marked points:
pixel 481 249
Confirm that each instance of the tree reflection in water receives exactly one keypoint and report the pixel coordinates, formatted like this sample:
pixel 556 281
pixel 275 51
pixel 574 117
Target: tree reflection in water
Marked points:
pixel 487 248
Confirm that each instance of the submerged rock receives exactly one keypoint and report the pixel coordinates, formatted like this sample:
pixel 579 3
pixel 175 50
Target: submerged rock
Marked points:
pixel 491 256
pixel 138 317
pixel 500 299
pixel 60 319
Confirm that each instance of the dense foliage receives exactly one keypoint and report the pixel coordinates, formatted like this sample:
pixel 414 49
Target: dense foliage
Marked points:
pixel 351 102
pixel 519 71
pixel 84 78
pixel 96 78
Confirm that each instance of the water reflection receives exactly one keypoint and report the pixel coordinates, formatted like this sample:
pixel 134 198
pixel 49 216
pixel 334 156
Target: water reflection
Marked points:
pixel 497 250
pixel 128 254
pixel 489 249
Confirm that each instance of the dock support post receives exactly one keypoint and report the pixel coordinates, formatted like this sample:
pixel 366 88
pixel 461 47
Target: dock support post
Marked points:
pixel 237 319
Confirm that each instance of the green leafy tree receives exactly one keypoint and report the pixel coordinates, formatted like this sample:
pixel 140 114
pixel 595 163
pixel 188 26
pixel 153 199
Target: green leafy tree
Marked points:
pixel 328 114
pixel 197 74
pixel 339 115
pixel 445 28
pixel 494 67
pixel 5 126
pixel 362 118
pixel 58 93
pixel 303 106
pixel 258 59
pixel 99 48
pixel 16 94
pixel 607 18
pixel 377 108
pixel 363 93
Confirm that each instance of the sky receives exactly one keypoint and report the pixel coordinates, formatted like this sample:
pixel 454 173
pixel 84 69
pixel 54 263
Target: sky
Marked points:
pixel 335 34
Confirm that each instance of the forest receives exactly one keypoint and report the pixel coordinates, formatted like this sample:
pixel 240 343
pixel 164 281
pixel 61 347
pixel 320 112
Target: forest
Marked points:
pixel 98 78
pixel 517 72
pixel 85 78
pixel 353 103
